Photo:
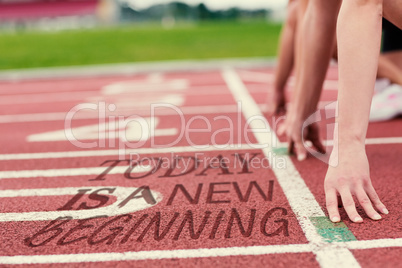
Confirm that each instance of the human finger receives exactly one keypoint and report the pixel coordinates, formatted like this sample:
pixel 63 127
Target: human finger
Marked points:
pixel 375 199
pixel 300 150
pixel 365 202
pixel 349 205
pixel 291 147
pixel 331 201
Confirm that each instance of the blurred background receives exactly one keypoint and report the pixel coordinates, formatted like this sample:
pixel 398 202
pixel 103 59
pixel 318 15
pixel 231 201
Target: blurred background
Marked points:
pixel 45 33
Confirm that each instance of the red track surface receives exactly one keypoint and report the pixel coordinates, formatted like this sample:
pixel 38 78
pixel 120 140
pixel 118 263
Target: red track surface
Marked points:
pixel 227 207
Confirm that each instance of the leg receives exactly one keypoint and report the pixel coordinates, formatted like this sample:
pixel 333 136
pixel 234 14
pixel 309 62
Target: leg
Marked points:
pixel 359 38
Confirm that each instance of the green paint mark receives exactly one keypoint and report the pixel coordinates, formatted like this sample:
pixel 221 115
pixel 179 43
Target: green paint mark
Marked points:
pixel 281 151
pixel 332 232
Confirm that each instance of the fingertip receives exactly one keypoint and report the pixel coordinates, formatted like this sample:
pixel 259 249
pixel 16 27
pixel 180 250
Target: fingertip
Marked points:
pixel 376 217
pixel 335 219
pixel 301 156
pixel 357 219
pixel 385 211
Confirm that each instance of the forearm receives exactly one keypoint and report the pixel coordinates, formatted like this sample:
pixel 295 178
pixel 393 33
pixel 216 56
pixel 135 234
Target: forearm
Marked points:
pixel 359 38
pixel 286 49
pixel 318 31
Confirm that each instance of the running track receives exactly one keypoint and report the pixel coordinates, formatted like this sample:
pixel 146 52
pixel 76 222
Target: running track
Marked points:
pixel 192 185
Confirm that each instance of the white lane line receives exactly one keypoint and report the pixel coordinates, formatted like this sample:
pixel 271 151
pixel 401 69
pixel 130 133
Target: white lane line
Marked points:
pixel 50 95
pixel 301 200
pixel 156 254
pixel 61 116
pixel 13 174
pixel 377 243
pixel 373 141
pixel 115 152
pixel 186 110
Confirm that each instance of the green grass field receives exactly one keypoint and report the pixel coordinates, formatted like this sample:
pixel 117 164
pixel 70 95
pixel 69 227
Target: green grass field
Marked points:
pixel 138 43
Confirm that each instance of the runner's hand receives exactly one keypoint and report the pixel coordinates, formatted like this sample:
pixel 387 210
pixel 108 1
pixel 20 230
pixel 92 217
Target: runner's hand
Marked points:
pixel 351 178
pixel 292 127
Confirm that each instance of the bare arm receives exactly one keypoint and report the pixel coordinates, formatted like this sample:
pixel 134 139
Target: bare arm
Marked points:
pixel 359 36
pixel 314 50
pixel 276 101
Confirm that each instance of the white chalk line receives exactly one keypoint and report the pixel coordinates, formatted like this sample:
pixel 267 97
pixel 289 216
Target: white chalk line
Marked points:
pixel 190 253
pixel 375 243
pixel 186 110
pixel 64 172
pixel 300 198
pixel 156 254
pixel 373 141
pixel 116 152
pixel 61 116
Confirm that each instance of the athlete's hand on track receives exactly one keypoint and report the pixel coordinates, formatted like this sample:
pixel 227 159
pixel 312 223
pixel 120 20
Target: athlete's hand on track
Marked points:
pixel 292 127
pixel 348 175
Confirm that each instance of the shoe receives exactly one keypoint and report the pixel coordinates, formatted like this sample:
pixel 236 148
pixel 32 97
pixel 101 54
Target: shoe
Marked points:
pixel 386 104
pixel 381 84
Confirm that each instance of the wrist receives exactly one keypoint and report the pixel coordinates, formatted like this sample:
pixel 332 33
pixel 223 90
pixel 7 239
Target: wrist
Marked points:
pixel 350 135
pixel 349 143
